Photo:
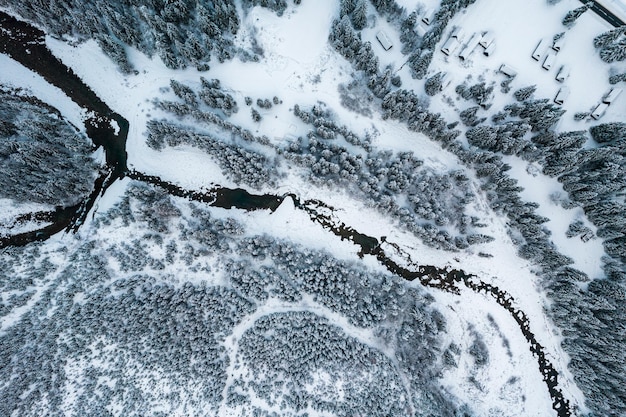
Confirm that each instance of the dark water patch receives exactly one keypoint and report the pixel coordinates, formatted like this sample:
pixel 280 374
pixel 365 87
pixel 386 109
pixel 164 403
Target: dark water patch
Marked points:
pixel 101 133
pixel 241 199
pixel 60 218
pixel 221 197
pixel 26 45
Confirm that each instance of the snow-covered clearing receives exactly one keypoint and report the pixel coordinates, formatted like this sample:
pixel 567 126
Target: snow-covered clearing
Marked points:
pixel 518 26
pixel 538 188
pixel 299 67
pixel 499 388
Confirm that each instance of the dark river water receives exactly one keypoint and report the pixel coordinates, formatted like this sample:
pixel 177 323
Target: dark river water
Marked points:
pixel 16 37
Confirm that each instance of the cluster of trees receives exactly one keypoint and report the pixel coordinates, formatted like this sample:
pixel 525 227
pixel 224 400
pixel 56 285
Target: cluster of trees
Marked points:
pixel 400 316
pixel 279 6
pixel 524 93
pixel 259 283
pixel 181 32
pixel 115 50
pixel 210 118
pixel 421 54
pixel 577 228
pixel 409 37
pixel 596 181
pixel 426 202
pixel 540 114
pixel 356 10
pixel 185 93
pixel 348 43
pixel 405 105
pixel 616 78
pixel 434 83
pixel 511 128
pixel 591 322
pixel 611 45
pixel 479 93
pixel 199 234
pixel 127 331
pixel 323 118
pixel 278 348
pixel 387 7
pixel 22 271
pixel 243 166
pixel 43 158
pixel 508 138
pixel 572 15
pixel 213 96
pixel 469 116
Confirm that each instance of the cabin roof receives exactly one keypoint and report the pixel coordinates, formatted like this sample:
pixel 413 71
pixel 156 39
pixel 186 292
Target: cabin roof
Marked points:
pixel 384 40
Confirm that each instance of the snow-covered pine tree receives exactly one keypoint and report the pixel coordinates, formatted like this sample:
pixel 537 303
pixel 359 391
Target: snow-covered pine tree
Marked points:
pixel 572 15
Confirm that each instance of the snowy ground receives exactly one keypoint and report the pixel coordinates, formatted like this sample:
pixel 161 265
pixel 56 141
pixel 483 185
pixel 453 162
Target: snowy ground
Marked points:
pixel 15 75
pixel 300 68
pixel 518 26
pixel 538 188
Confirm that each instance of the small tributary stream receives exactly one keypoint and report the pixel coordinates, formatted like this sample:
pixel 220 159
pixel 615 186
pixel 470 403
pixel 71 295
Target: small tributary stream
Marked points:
pixel 17 37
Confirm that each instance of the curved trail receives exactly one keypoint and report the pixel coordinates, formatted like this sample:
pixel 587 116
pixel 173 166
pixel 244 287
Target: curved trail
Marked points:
pixel 17 36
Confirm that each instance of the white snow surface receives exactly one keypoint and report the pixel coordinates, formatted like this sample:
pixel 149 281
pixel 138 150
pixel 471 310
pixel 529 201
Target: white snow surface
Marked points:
pixel 17 76
pixel 518 26
pixel 538 188
pixel 301 68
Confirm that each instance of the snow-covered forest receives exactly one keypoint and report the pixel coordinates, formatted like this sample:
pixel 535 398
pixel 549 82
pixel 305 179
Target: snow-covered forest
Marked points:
pixel 313 208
